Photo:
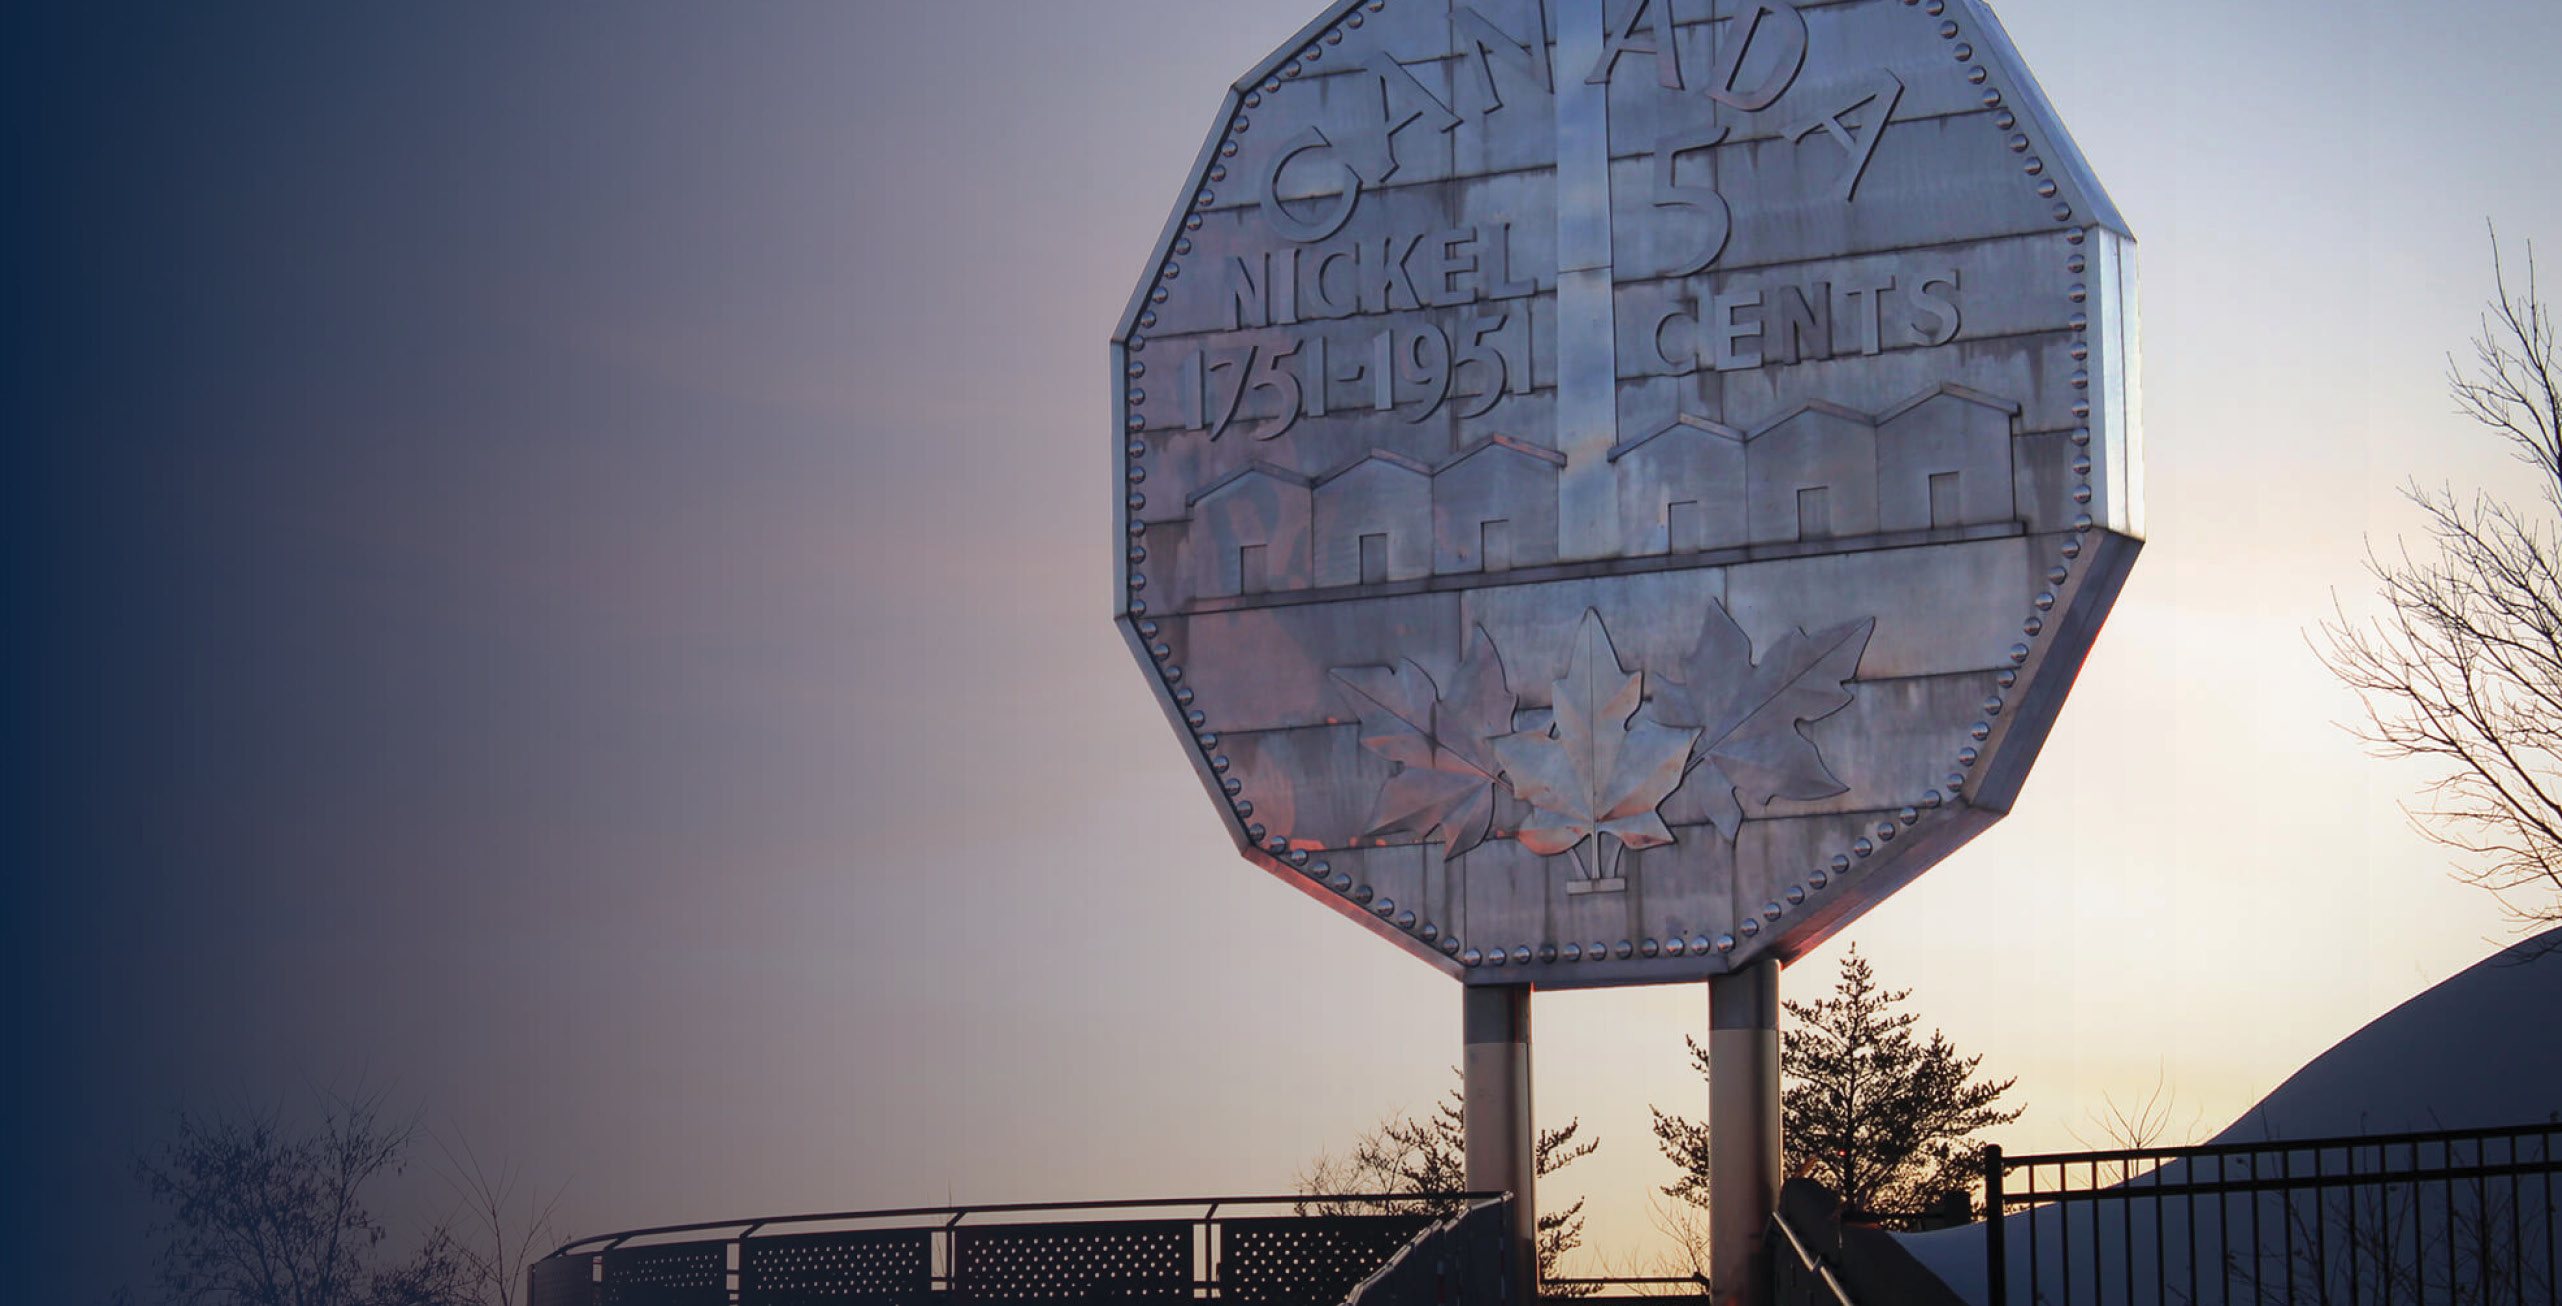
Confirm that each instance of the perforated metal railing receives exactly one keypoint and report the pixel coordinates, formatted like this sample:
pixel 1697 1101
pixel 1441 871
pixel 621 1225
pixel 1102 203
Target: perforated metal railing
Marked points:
pixel 1267 1251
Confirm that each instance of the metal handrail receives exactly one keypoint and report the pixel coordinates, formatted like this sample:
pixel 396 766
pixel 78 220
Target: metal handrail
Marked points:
pixel 931 1258
pixel 2281 1145
pixel 1807 1257
pixel 953 1215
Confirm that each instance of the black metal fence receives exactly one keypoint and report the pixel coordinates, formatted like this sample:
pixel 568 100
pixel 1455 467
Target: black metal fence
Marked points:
pixel 2458 1217
pixel 1261 1251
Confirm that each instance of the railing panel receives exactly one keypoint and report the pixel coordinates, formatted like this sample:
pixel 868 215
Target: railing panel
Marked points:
pixel 1100 1261
pixel 562 1281
pixel 1457 1260
pixel 870 1267
pixel 668 1274
pixel 1290 1259
pixel 1012 1254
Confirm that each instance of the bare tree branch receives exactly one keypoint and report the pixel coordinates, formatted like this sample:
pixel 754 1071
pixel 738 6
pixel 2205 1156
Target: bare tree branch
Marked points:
pixel 503 1227
pixel 261 1214
pixel 1402 1154
pixel 2463 668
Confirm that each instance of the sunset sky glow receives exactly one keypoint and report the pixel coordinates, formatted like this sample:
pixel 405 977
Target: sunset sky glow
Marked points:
pixel 564 560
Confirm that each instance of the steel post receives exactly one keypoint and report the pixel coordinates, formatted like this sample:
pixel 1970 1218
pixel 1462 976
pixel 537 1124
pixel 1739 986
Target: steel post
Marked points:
pixel 1495 1022
pixel 1996 1255
pixel 1743 1128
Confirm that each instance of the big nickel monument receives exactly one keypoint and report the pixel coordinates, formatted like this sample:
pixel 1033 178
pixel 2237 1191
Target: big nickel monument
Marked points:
pixel 1612 489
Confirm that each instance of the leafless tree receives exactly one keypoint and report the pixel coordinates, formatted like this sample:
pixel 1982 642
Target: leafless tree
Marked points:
pixel 2152 1122
pixel 1402 1154
pixel 2469 1242
pixel 501 1227
pixel 260 1212
pixel 1683 1224
pixel 2463 668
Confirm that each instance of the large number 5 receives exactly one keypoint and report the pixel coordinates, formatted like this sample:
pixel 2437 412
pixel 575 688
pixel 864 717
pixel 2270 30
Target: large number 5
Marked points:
pixel 1717 221
pixel 1473 349
pixel 1271 376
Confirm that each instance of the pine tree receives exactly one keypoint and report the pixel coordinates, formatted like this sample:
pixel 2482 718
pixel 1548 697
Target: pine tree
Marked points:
pixel 1882 1118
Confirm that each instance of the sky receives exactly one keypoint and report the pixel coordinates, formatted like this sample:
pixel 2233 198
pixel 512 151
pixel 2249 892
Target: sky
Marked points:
pixel 561 565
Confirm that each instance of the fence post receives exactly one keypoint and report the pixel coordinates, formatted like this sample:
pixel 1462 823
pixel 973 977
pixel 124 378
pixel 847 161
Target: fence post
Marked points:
pixel 1996 1255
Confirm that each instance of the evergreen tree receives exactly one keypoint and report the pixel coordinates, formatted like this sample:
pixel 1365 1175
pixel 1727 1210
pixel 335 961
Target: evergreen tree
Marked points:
pixel 1882 1118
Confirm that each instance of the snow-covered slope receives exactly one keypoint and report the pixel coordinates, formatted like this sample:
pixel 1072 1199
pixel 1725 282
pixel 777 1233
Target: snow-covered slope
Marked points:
pixel 2480 1050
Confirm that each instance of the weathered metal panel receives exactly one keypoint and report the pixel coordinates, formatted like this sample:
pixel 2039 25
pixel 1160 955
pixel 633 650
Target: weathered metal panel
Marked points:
pixel 1639 475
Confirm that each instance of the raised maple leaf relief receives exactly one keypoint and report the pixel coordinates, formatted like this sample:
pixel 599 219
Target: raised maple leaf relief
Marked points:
pixel 1751 750
pixel 1601 766
pixel 1446 763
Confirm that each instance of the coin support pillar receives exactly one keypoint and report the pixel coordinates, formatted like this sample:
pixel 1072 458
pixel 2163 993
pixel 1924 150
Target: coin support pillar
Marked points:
pixel 1743 1129
pixel 1495 1076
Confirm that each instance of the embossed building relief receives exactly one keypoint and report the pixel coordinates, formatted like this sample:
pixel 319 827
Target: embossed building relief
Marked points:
pixel 1614 488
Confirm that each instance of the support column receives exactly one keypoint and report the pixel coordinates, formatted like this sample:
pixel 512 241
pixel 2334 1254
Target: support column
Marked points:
pixel 1495 1076
pixel 1743 1129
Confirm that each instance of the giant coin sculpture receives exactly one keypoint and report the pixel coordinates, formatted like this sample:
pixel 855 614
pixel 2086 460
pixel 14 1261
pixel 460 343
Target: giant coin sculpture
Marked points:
pixel 1613 490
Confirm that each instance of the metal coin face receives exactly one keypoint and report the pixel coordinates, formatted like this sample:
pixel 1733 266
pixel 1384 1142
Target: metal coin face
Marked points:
pixel 1640 469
